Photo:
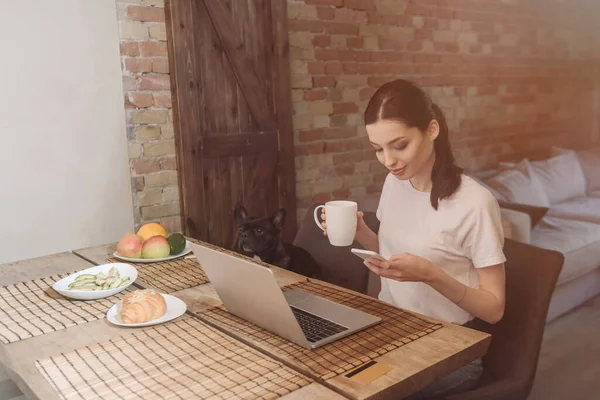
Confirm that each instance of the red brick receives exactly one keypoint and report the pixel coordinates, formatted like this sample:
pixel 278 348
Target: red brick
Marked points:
pixel 144 166
pixel 338 120
pixel 324 81
pixel 355 43
pixel 168 163
pixel 130 49
pixel 424 34
pixel 305 25
pixel 322 41
pixel 391 44
pixel 341 28
pixel 414 45
pixel 160 65
pixel 334 68
pixel 351 68
pixel 141 100
pixel 346 169
pixel 366 93
pixel 346 14
pixel 488 38
pixel 315 94
pixel 316 68
pixel 138 65
pixel 154 82
pixel 310 136
pixel 153 49
pixel 378 81
pixel 345 108
pixel 162 100
pixel 339 133
pixel 321 197
pixel 142 13
pixel 359 4
pixel 340 194
pixel 334 95
pixel 447 47
pixel 325 13
pixel 334 147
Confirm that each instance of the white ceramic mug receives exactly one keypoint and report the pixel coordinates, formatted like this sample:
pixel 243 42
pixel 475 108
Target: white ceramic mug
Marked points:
pixel 341 221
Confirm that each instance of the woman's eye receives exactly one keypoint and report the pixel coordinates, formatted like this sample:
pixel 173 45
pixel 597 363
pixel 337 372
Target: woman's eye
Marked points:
pixel 401 147
pixel 378 150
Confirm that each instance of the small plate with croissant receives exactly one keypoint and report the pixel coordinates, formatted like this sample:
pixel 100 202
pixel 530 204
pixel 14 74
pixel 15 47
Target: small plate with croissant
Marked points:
pixel 145 307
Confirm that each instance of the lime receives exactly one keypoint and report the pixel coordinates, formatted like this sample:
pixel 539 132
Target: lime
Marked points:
pixel 177 243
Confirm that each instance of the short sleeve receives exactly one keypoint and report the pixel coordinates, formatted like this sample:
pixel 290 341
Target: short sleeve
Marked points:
pixel 484 241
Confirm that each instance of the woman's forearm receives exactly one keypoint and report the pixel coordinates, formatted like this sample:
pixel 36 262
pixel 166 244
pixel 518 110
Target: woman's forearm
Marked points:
pixel 481 303
pixel 368 239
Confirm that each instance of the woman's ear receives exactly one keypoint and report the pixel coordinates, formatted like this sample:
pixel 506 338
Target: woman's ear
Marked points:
pixel 433 130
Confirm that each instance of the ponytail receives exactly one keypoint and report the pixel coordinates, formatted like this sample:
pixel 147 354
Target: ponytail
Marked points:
pixel 446 175
pixel 403 101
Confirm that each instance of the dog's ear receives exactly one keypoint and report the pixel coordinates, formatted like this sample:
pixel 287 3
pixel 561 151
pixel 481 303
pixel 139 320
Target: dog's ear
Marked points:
pixel 279 218
pixel 240 213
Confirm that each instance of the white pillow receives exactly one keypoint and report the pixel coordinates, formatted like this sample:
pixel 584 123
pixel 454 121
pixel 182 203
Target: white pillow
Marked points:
pixel 590 164
pixel 561 176
pixel 519 185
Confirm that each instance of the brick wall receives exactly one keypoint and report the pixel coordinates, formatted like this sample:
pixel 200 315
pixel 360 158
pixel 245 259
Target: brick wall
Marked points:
pixel 148 109
pixel 513 77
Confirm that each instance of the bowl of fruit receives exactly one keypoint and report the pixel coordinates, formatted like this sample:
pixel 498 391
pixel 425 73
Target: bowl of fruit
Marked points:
pixel 97 282
pixel 151 243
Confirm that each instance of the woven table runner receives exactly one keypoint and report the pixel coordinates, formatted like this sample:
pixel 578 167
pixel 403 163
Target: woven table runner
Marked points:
pixel 180 273
pixel 397 328
pixel 33 308
pixel 184 359
pixel 170 276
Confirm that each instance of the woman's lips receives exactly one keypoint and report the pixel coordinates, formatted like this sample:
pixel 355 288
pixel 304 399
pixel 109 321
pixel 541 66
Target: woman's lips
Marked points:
pixel 398 171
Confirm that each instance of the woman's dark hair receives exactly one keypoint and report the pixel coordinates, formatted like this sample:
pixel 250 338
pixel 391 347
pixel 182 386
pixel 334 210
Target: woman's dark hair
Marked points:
pixel 403 101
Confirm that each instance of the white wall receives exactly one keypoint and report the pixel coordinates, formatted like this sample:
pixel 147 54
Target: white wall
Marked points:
pixel 64 175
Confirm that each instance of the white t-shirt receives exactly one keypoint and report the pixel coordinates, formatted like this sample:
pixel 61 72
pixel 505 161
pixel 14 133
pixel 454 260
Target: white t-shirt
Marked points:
pixel 464 233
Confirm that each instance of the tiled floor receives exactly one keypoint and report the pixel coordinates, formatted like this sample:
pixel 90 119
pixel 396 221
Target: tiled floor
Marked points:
pixel 569 365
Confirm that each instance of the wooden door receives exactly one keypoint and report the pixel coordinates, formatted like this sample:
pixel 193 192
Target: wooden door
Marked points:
pixel 232 112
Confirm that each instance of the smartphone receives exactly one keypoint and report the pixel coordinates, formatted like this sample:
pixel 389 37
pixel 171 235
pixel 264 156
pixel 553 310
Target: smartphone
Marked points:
pixel 366 254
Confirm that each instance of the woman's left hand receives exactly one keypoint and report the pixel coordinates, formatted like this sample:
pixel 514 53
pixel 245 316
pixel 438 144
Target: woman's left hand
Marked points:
pixel 404 267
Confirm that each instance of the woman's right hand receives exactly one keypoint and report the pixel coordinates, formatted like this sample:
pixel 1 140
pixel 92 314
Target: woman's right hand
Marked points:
pixel 361 226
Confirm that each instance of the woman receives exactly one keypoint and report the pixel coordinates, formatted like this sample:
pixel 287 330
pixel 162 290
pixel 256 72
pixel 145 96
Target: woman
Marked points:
pixel 440 230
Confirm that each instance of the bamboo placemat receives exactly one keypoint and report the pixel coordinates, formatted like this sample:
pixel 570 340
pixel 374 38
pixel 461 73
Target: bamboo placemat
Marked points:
pixel 180 273
pixel 170 276
pixel 397 328
pixel 184 359
pixel 33 308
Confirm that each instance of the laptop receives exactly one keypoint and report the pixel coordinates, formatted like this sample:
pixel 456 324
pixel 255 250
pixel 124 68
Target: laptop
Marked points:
pixel 251 292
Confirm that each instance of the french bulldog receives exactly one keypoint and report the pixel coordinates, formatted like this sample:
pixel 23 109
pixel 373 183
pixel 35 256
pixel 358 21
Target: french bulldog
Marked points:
pixel 260 237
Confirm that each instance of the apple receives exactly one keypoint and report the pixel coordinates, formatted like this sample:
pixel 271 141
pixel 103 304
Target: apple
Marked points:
pixel 156 247
pixel 130 245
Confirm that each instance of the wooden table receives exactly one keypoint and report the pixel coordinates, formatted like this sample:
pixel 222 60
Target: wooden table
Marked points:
pixel 413 365
pixel 19 357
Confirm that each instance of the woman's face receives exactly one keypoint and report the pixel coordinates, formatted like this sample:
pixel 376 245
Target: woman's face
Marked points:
pixel 402 150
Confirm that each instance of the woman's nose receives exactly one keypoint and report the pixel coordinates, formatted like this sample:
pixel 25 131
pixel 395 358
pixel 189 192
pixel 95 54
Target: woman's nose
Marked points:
pixel 388 160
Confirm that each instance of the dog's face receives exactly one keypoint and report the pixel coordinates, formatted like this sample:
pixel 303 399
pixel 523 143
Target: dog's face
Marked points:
pixel 258 235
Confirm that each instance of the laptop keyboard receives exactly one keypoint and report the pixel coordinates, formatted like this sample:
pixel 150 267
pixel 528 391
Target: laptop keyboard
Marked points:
pixel 314 327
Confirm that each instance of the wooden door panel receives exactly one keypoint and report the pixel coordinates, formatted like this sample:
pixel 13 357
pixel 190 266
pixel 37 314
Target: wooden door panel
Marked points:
pixel 230 81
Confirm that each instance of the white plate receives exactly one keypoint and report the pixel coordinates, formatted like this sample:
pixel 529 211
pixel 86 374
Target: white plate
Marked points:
pixel 175 308
pixel 185 251
pixel 125 270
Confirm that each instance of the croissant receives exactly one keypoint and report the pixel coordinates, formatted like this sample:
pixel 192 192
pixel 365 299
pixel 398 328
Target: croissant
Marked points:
pixel 142 306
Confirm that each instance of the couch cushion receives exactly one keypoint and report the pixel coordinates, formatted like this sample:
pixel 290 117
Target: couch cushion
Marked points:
pixel 519 185
pixel 590 164
pixel 579 241
pixel 561 176
pixel 585 208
